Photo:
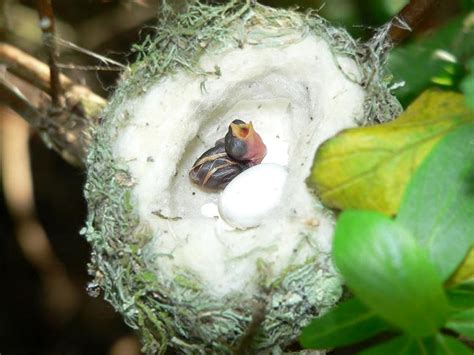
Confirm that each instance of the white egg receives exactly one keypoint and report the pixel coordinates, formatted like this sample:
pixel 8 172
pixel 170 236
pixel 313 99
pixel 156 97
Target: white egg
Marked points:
pixel 252 195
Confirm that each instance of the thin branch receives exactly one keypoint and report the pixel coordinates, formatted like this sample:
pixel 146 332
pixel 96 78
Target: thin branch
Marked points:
pixel 65 130
pixel 87 67
pixel 13 98
pixel 258 316
pixel 29 68
pixel 412 14
pixel 46 14
pixel 37 74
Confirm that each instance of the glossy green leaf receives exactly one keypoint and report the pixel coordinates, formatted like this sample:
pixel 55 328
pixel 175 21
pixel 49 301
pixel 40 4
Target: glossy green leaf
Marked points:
pixel 348 323
pixel 446 345
pixel 438 207
pixel 432 61
pixel 402 345
pixel 369 167
pixel 389 272
pixel 463 323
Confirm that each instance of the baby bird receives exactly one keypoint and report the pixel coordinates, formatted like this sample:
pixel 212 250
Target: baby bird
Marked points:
pixel 241 148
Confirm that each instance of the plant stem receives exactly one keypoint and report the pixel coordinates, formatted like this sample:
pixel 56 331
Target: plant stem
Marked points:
pixel 412 14
pixel 47 24
pixel 67 129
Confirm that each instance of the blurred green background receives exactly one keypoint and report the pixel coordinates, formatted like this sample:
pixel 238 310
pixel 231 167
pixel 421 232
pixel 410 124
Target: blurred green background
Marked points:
pixel 44 306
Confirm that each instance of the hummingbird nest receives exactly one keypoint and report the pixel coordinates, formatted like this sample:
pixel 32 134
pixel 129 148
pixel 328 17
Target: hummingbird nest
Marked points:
pixel 178 274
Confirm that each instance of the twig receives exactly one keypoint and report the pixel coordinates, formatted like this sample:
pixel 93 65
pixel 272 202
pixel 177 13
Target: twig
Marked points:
pixel 13 98
pixel 258 316
pixel 87 67
pixel 412 14
pixel 46 14
pixel 29 68
pixel 36 73
pixel 66 130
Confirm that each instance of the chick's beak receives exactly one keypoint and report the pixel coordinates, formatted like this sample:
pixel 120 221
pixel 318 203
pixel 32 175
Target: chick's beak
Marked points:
pixel 241 130
pixel 256 149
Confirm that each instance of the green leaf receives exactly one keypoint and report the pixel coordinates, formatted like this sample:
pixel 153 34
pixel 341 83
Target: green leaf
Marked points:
pixel 460 298
pixel 465 271
pixel 348 323
pixel 467 85
pixel 446 345
pixel 389 272
pixel 463 323
pixel 438 207
pixel 369 167
pixel 406 345
pixel 402 345
pixel 433 61
pixel 467 5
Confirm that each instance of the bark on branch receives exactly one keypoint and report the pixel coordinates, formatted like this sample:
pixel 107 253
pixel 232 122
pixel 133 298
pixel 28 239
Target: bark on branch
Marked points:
pixel 412 14
pixel 10 95
pixel 66 129
pixel 47 24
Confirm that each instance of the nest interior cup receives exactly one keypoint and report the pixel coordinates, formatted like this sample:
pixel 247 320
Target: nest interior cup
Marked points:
pixel 178 273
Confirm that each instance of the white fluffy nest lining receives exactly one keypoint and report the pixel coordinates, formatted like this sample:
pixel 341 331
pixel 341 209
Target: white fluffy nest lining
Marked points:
pixel 296 97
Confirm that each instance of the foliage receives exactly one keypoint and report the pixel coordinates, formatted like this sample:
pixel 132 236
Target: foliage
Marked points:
pixel 409 279
pixel 438 60
pixel 369 167
pixel 438 207
pixel 389 271
pixel 348 323
pixel 396 268
pixel 465 271
pixel 467 85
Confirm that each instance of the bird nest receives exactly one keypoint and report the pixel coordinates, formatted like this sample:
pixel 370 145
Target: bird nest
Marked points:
pixel 152 246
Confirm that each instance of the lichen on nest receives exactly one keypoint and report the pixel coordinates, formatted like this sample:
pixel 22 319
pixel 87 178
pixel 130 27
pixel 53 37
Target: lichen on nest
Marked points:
pixel 181 314
pixel 180 39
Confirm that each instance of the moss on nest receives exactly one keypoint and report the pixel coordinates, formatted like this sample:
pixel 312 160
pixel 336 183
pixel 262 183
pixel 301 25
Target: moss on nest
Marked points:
pixel 181 314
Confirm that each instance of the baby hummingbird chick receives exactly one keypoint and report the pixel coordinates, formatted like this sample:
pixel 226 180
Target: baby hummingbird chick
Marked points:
pixel 241 148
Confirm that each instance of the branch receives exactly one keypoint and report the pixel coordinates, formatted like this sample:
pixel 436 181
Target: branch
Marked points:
pixel 258 316
pixel 65 130
pixel 29 68
pixel 14 99
pixel 46 14
pixel 412 14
